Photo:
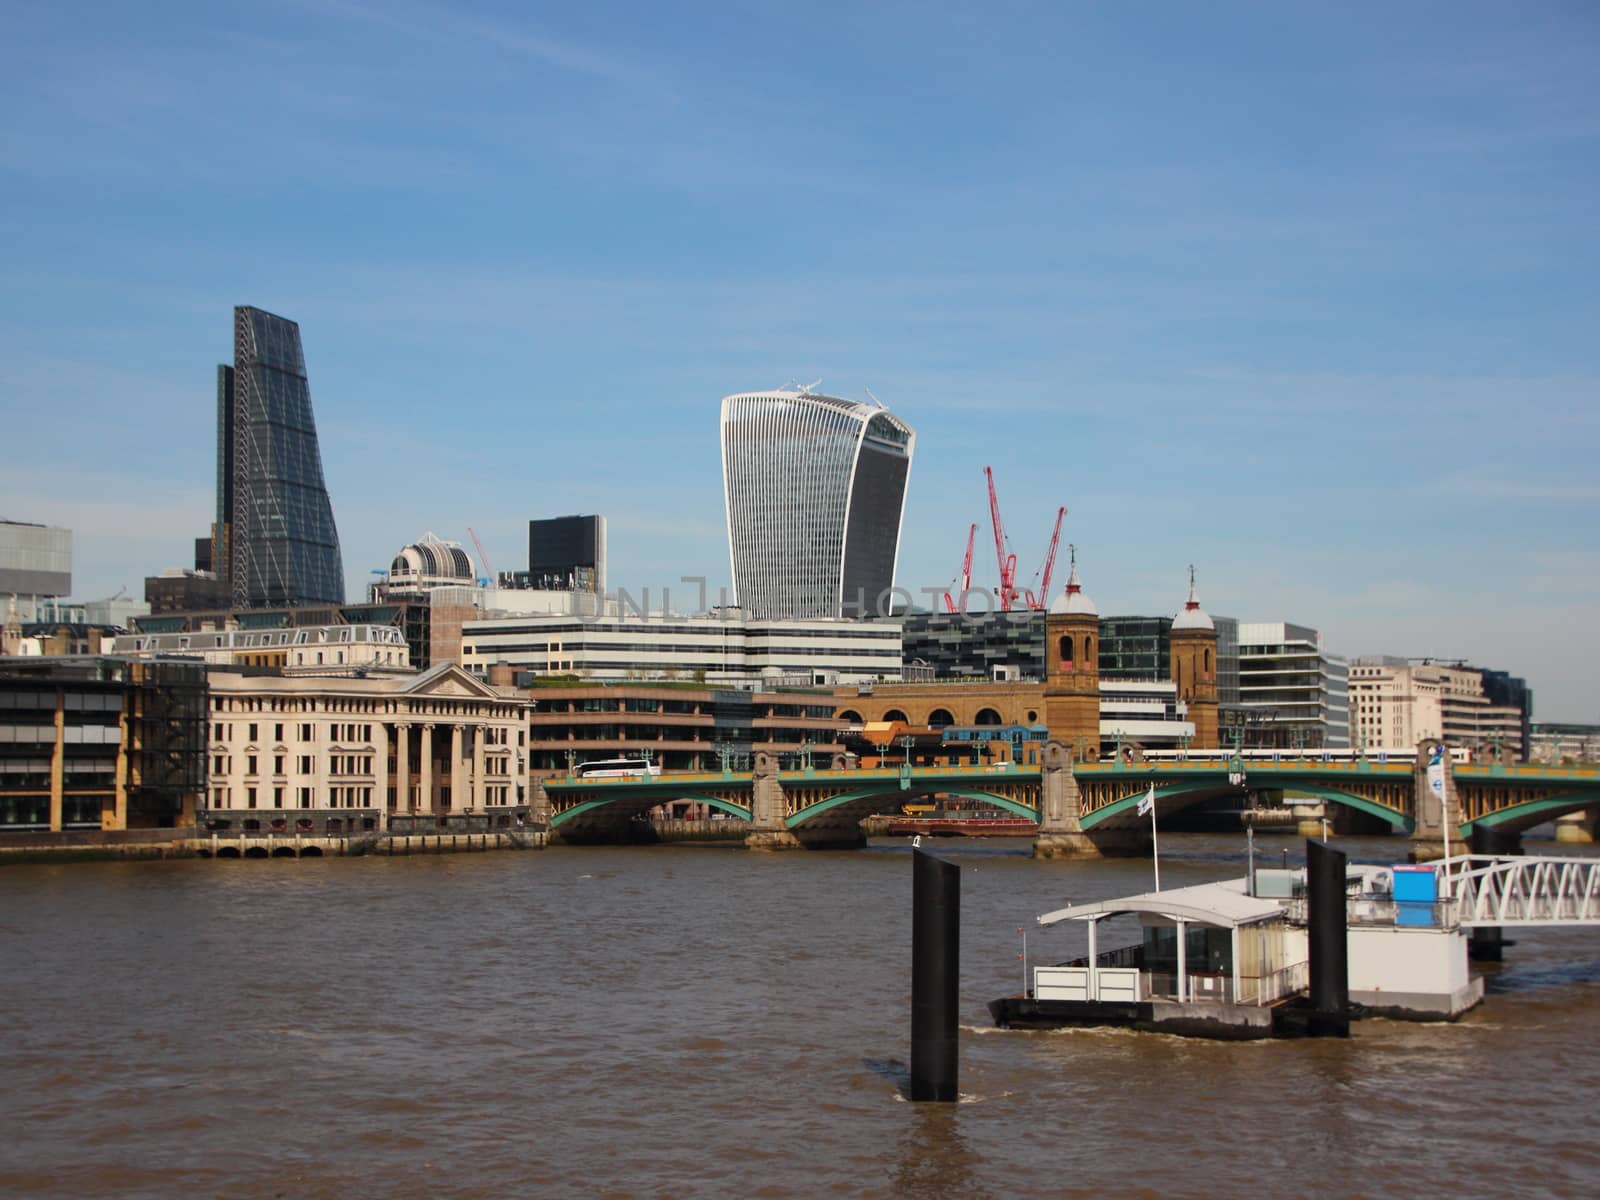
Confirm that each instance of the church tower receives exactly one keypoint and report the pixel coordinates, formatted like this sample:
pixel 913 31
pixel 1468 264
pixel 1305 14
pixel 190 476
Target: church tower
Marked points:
pixel 1194 668
pixel 1072 670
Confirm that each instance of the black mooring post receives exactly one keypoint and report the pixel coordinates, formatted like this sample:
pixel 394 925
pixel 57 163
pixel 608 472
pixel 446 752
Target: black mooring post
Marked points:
pixel 1487 943
pixel 1328 934
pixel 935 967
pixel 1486 839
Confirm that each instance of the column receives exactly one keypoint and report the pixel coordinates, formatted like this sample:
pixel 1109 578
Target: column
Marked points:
pixel 1092 992
pixel 458 766
pixel 426 799
pixel 323 763
pixel 58 763
pixel 1183 963
pixel 380 766
pixel 480 792
pixel 402 767
pixel 119 803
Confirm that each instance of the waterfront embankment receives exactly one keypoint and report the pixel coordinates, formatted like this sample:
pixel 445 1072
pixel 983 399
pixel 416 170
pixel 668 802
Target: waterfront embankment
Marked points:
pixel 101 845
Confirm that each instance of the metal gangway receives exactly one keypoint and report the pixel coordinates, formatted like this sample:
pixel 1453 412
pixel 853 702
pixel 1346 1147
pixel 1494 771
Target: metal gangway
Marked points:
pixel 1534 890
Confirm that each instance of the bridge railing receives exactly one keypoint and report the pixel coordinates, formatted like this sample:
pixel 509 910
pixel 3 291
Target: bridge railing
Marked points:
pixel 1533 890
pixel 1537 771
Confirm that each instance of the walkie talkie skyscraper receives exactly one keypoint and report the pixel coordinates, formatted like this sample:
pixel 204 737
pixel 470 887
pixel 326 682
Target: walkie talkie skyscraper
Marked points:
pixel 815 489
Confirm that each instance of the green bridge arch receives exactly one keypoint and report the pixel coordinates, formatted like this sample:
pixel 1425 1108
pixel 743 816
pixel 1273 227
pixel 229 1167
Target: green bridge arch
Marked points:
pixel 589 806
pixel 891 789
pixel 1399 822
pixel 1518 818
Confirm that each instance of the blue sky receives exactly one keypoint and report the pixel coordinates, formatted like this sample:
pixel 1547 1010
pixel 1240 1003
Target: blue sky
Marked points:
pixel 1304 295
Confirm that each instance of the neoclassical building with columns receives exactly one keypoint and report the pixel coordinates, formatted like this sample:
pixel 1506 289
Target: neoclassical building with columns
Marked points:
pixel 338 754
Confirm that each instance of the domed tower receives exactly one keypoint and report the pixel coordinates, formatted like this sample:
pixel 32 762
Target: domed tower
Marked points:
pixel 428 563
pixel 1194 667
pixel 1072 669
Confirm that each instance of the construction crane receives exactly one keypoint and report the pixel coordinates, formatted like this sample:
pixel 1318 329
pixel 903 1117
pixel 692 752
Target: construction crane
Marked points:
pixel 483 558
pixel 1042 600
pixel 1006 562
pixel 951 606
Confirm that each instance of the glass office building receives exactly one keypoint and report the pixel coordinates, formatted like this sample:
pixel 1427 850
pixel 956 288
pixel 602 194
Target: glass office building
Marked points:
pixel 994 645
pixel 277 545
pixel 567 553
pixel 815 489
pixel 1292 692
pixel 1136 648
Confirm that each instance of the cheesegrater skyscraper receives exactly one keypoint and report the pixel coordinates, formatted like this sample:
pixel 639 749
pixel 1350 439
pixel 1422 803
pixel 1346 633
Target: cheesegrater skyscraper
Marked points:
pixel 275 543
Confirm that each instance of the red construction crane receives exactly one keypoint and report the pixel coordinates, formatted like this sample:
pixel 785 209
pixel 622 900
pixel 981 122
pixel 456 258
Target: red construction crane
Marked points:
pixel 1042 600
pixel 1006 562
pixel 482 557
pixel 951 606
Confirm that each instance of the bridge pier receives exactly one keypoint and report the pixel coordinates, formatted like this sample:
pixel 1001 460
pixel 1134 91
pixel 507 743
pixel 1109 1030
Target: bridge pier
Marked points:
pixel 1577 829
pixel 1061 833
pixel 1428 833
pixel 768 808
pixel 1309 819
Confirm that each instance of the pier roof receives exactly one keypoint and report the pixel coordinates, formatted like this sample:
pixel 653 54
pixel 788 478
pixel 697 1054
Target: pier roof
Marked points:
pixel 1223 904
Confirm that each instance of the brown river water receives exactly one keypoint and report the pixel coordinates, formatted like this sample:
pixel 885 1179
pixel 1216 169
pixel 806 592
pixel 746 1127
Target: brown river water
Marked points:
pixel 704 1021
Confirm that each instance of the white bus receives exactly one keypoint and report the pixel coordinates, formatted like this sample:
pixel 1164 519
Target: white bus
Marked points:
pixel 616 768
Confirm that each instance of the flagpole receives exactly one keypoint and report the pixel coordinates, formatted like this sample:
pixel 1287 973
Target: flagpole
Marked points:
pixel 1155 844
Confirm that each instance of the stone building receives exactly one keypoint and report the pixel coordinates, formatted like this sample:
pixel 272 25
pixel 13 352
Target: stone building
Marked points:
pixel 1397 702
pixel 336 754
pixel 307 650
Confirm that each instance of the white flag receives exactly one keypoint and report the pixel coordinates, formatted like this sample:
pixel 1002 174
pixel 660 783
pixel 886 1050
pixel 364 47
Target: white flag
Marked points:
pixel 1148 804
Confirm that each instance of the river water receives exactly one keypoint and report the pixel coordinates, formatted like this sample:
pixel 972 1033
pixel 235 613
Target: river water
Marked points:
pixel 704 1021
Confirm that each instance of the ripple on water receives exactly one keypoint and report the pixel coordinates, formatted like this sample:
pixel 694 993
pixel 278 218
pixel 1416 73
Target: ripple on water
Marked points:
pixel 721 1024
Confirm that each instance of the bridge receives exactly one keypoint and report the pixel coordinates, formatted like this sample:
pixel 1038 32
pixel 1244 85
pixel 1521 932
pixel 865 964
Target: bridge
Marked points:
pixel 816 808
pixel 1082 808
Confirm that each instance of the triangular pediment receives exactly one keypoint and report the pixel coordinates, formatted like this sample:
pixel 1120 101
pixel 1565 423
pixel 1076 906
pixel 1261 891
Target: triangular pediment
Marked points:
pixel 447 679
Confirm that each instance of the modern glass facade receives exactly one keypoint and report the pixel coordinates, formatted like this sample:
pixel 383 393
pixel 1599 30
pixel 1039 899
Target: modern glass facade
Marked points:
pixel 1135 648
pixel 277 544
pixel 973 645
pixel 1227 661
pixel 1292 692
pixel 815 489
pixel 92 742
